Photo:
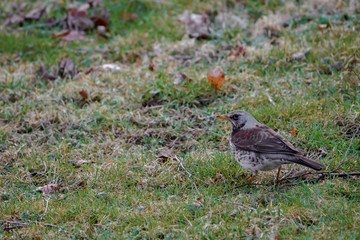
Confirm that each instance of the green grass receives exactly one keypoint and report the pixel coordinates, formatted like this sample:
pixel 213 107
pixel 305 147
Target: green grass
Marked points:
pixel 127 190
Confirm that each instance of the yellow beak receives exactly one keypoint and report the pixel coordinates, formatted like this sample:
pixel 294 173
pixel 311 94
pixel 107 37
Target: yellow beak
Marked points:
pixel 222 117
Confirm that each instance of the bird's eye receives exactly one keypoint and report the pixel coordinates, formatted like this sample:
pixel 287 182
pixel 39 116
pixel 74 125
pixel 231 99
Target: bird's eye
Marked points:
pixel 235 117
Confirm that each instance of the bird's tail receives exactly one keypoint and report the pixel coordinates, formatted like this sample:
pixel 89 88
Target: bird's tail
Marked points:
pixel 308 163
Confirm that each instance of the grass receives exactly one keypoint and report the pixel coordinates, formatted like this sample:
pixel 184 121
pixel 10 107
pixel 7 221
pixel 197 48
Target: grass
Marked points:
pixel 128 190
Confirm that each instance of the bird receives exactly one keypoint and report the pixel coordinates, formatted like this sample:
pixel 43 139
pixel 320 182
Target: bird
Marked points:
pixel 257 147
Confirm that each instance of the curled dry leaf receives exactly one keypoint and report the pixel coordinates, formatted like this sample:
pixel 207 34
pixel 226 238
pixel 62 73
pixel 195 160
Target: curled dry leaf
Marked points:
pixel 45 74
pixel 216 77
pixel 84 95
pixel 47 188
pixel 67 68
pixel 165 154
pixel 180 77
pixel 13 19
pixel 197 25
pixel 35 14
pixel 151 65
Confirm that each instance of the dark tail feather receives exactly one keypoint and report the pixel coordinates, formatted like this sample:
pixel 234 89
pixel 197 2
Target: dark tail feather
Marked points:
pixel 308 163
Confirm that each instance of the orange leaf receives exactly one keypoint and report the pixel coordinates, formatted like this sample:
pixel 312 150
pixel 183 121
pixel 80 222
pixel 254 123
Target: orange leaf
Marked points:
pixel 294 131
pixel 216 77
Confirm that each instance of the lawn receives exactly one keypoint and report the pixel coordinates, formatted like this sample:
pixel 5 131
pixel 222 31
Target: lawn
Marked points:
pixel 136 151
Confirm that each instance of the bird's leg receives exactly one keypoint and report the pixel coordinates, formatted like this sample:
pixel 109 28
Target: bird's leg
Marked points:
pixel 278 174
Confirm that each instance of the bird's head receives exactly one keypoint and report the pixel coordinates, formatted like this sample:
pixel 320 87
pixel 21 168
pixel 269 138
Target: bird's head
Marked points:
pixel 240 120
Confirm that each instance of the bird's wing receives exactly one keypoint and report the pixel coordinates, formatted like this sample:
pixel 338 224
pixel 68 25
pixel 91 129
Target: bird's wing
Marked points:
pixel 262 139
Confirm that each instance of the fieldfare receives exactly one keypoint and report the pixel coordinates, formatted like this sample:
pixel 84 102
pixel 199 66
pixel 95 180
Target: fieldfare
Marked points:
pixel 257 147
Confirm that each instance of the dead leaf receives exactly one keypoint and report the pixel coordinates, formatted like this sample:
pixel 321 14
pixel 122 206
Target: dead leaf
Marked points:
pixel 35 14
pixel 151 65
pixel 45 74
pixel 197 25
pixel 50 22
pixel 85 95
pixel 100 21
pixel 69 35
pixel 294 131
pixel 76 19
pixel 216 77
pixel 180 77
pixel 47 188
pixel 73 36
pixel 240 51
pixel 14 19
pixel 165 154
pixel 67 68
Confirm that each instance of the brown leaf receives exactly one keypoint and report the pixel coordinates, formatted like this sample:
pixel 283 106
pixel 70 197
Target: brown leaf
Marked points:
pixel 45 74
pixel 35 14
pixel 300 55
pixel 73 36
pixel 76 19
pixel 294 131
pixel 67 68
pixel 85 95
pixel 216 77
pixel 240 51
pixel 69 35
pixel 13 19
pixel 151 65
pixel 100 21
pixel 50 22
pixel 47 188
pixel 180 77
pixel 197 25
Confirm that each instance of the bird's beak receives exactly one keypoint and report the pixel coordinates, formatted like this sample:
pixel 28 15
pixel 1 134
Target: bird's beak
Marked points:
pixel 222 117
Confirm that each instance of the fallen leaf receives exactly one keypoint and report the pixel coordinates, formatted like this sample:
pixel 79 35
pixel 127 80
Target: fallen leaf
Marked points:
pixel 73 36
pixel 76 19
pixel 338 65
pixel 69 35
pixel 14 19
pixel 61 34
pixel 216 77
pixel 47 188
pixel 165 155
pixel 180 77
pixel 35 14
pixel 100 21
pixel 294 131
pixel 197 25
pixel 67 68
pixel 45 74
pixel 50 22
pixel 151 65
pixel 85 95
